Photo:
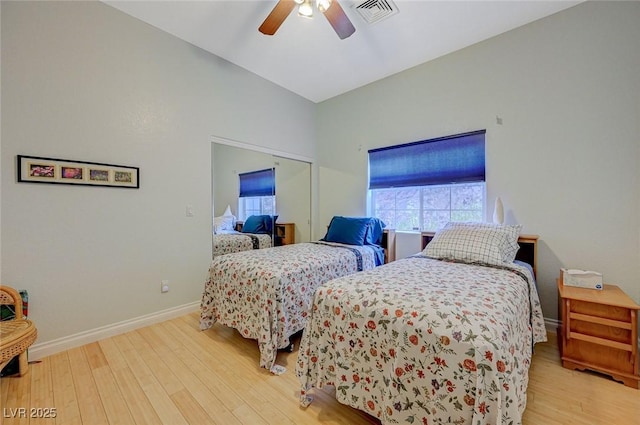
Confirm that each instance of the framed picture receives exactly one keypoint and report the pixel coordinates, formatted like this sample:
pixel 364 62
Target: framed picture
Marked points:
pixel 35 169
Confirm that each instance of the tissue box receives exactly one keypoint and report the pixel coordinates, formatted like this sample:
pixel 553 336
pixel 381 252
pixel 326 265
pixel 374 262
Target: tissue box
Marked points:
pixel 581 278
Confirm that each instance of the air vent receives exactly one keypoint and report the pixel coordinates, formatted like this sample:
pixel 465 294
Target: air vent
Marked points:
pixel 373 11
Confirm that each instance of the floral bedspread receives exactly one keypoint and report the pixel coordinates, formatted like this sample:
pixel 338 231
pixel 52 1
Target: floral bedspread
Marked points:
pixel 266 294
pixel 226 243
pixel 425 341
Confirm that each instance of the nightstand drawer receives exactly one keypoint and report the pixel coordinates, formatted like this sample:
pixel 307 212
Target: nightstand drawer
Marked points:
pixel 601 310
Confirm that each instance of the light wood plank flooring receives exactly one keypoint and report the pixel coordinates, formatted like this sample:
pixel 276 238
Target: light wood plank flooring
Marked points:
pixel 172 373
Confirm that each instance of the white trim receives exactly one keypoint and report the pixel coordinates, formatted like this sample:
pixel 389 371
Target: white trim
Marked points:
pixel 552 325
pixel 257 148
pixel 40 350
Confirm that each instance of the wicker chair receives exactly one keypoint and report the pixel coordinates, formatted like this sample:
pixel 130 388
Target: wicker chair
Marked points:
pixel 15 335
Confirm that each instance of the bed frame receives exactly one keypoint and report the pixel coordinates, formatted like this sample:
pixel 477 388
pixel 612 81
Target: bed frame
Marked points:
pixel 528 251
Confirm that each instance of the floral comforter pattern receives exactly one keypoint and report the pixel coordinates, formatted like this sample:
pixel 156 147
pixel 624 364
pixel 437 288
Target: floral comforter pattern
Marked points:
pixel 226 243
pixel 425 341
pixel 266 294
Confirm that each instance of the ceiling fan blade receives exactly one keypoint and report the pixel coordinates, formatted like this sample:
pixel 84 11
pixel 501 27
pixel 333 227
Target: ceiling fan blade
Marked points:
pixel 339 20
pixel 277 17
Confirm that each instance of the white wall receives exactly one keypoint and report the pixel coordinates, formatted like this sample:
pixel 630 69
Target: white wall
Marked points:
pixel 407 244
pixel 565 160
pixel 82 80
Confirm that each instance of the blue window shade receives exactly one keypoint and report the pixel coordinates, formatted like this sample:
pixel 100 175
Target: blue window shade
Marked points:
pixel 444 160
pixel 258 183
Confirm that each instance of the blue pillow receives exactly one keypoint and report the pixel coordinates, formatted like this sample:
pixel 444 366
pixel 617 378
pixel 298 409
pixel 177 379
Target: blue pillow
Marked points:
pixel 254 224
pixel 348 230
pixel 269 222
pixel 259 224
pixel 374 232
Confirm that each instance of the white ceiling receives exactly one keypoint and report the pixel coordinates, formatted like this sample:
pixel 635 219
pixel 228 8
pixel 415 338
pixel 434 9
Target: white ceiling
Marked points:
pixel 306 56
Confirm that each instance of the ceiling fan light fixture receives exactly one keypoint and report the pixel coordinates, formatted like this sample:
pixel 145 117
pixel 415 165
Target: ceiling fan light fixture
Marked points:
pixel 305 9
pixel 331 10
pixel 323 5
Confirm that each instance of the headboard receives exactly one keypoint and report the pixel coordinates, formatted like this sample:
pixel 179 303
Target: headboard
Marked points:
pixel 389 245
pixel 528 251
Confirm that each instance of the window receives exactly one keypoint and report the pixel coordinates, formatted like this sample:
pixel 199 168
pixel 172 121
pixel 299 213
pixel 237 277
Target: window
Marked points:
pixel 256 205
pixel 423 185
pixel 257 193
pixel 428 207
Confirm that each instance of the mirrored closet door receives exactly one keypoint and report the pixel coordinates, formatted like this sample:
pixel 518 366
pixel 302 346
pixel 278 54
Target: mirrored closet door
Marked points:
pixel 240 178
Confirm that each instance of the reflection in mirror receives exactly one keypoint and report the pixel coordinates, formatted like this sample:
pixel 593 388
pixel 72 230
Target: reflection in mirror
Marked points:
pixel 293 198
pixel 292 203
pixel 257 194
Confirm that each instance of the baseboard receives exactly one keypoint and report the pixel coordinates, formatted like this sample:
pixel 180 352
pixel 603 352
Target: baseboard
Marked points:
pixel 551 325
pixel 40 350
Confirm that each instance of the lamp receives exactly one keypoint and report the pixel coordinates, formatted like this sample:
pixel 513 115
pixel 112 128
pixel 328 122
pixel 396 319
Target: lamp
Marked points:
pixel 305 9
pixel 498 211
pixel 323 5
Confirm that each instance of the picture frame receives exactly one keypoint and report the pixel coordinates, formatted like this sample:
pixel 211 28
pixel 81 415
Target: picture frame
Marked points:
pixel 38 169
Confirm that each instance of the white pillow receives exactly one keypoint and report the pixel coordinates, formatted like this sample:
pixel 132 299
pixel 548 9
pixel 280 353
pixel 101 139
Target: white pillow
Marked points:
pixel 223 222
pixel 227 213
pixel 475 242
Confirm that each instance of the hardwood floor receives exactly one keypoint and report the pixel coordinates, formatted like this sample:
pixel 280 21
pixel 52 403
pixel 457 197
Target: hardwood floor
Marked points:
pixel 172 373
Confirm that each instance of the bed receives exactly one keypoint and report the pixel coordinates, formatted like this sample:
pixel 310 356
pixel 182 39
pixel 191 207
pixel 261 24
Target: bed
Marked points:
pixel 439 337
pixel 265 294
pixel 255 233
pixel 230 241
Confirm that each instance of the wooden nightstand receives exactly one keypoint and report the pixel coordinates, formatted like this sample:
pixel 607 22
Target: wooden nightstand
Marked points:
pixel 599 331
pixel 285 233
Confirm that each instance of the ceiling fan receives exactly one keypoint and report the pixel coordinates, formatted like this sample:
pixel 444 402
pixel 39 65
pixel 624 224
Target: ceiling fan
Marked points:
pixel 330 8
